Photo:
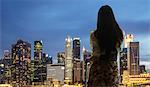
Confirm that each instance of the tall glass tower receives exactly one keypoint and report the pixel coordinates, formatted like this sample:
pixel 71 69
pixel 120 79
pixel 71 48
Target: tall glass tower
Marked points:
pixel 76 48
pixel 68 60
pixel 38 46
pixel 86 65
pixel 133 58
pixel 77 78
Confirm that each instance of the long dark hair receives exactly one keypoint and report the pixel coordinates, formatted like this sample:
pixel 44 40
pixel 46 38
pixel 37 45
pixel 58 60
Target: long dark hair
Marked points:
pixel 108 32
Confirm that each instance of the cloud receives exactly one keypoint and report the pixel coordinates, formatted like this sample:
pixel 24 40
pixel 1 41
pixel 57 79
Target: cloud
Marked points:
pixel 136 27
pixel 144 45
pixel 53 20
pixel 145 59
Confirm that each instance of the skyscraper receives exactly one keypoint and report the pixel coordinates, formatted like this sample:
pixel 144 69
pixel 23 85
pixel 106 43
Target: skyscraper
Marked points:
pixel 76 61
pixel 2 72
pixel 133 58
pixel 128 38
pixel 68 60
pixel 86 65
pixel 123 55
pixel 32 70
pixel 7 60
pixel 38 47
pixel 123 62
pixel 61 57
pixel 46 59
pixel 76 48
pixel 7 54
pixel 43 67
pixel 21 56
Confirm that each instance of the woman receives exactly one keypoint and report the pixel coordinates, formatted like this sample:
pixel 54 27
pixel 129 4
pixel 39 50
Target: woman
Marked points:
pixel 105 41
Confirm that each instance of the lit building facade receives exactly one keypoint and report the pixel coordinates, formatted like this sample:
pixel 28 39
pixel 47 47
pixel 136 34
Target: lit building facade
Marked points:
pixel 76 48
pixel 86 65
pixel 124 55
pixel 68 60
pixel 141 80
pixel 41 60
pixel 43 67
pixel 123 62
pixel 7 60
pixel 61 57
pixel 32 70
pixel 38 47
pixel 133 58
pixel 5 85
pixel 2 72
pixel 56 72
pixel 77 70
pixel 128 38
pixel 7 54
pixel 21 56
pixel 46 59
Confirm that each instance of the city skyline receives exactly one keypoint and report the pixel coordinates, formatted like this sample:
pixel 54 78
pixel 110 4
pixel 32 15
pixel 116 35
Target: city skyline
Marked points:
pixel 51 21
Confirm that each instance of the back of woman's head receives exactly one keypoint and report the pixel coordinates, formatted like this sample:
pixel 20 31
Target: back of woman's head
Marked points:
pixel 108 32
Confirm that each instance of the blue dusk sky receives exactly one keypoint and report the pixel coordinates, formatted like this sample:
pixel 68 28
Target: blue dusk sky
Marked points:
pixel 52 20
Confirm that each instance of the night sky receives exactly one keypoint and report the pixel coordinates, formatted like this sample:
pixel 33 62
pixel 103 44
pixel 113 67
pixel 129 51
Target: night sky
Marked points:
pixel 52 20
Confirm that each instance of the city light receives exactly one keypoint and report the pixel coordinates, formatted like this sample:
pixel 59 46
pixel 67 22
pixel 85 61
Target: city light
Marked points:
pixel 50 52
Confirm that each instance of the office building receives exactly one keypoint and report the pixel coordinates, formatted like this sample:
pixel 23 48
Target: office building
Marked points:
pixel 68 60
pixel 76 48
pixel 38 47
pixel 5 85
pixel 46 59
pixel 2 72
pixel 77 71
pixel 77 78
pixel 61 57
pixel 123 63
pixel 86 65
pixel 128 38
pixel 21 56
pixel 41 60
pixel 133 58
pixel 7 60
pixel 141 80
pixel 32 70
pixel 56 72
pixel 123 56
pixel 7 54
pixel 123 60
pixel 38 77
